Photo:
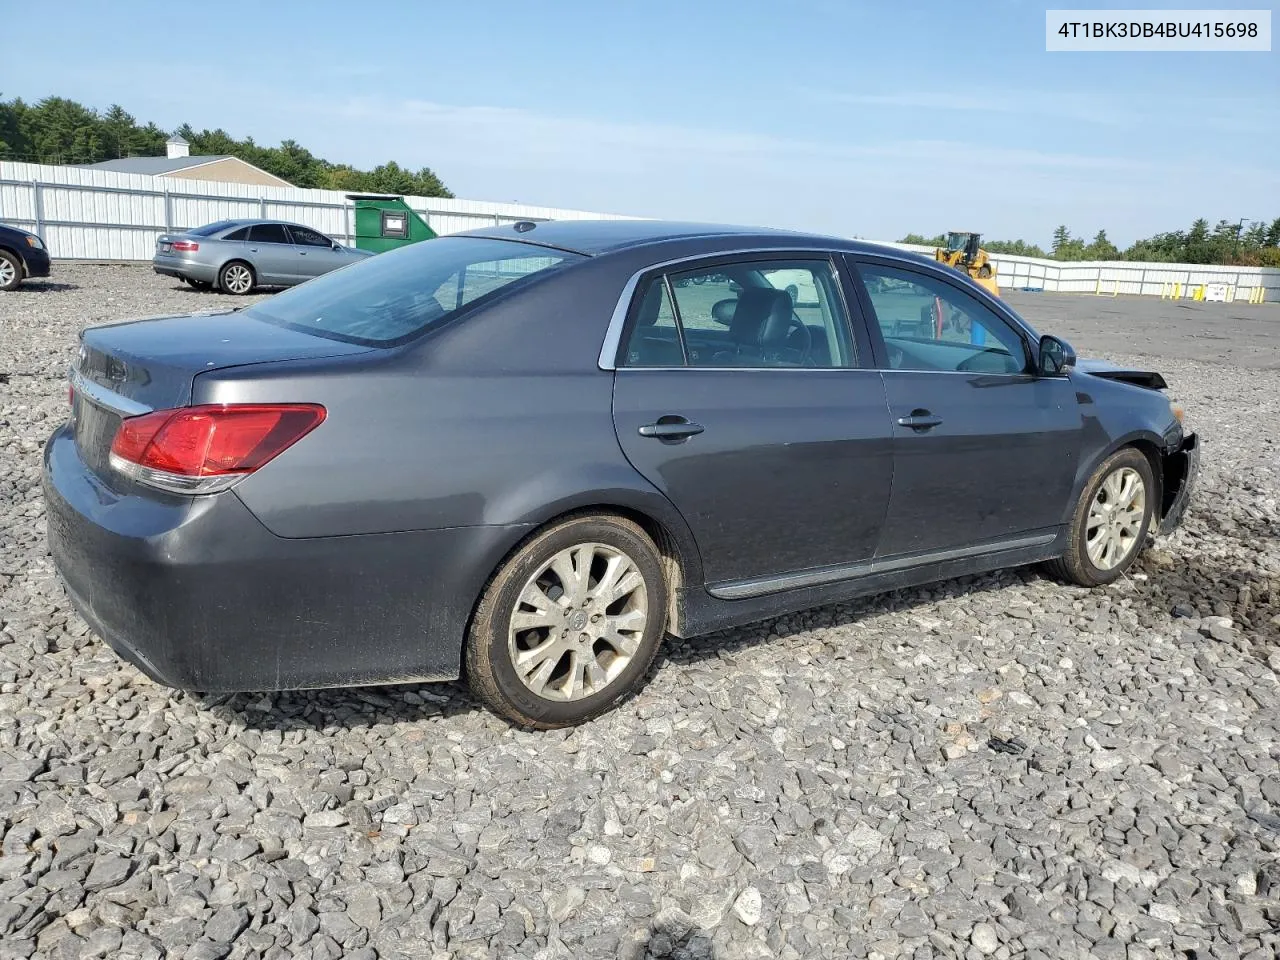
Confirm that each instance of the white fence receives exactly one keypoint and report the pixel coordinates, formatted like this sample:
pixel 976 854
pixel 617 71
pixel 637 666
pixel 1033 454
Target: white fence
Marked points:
pixel 90 214
pixel 86 214
pixel 1114 277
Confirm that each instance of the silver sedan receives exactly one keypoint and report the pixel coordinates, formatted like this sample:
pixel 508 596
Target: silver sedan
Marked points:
pixel 238 256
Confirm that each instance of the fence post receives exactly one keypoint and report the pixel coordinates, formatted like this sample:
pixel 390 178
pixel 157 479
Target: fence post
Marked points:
pixel 37 206
pixel 262 208
pixel 168 210
pixel 346 224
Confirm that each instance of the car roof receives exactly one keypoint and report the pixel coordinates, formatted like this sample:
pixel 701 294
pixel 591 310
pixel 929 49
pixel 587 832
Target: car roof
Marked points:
pixel 595 237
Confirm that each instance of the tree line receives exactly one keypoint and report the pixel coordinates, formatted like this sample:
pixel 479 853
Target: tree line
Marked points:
pixel 57 130
pixel 1235 243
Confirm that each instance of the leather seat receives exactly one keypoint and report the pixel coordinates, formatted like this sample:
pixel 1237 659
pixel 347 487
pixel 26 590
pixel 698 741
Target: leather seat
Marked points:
pixel 760 324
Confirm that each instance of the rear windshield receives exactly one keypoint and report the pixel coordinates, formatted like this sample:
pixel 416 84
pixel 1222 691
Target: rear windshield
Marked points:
pixel 390 297
pixel 210 229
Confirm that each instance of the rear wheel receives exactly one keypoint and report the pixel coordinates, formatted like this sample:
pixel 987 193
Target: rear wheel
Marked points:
pixel 1110 522
pixel 570 624
pixel 10 271
pixel 236 278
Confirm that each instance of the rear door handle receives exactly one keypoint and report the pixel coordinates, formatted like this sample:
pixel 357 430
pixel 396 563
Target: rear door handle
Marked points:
pixel 920 420
pixel 670 429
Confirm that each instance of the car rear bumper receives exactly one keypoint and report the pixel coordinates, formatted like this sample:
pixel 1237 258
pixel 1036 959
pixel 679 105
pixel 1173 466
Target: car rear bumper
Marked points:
pixel 1181 470
pixel 200 596
pixel 183 267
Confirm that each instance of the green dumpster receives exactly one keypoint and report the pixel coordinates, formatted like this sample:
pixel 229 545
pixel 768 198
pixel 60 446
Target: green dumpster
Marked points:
pixel 384 223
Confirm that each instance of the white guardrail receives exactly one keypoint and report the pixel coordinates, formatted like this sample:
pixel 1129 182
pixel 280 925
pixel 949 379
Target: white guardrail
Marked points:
pixel 87 214
pixel 1110 278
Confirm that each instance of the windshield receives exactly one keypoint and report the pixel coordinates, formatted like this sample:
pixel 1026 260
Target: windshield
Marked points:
pixel 393 296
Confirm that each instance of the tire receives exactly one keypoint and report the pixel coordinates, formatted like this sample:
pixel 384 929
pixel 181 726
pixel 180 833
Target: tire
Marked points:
pixel 493 646
pixel 231 278
pixel 984 271
pixel 11 271
pixel 1078 565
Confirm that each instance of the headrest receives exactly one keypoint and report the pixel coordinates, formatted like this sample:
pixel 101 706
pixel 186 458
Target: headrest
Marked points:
pixel 722 312
pixel 762 317
pixel 651 306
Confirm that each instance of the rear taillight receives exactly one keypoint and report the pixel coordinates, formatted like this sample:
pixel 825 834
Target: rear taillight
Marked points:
pixel 186 246
pixel 204 449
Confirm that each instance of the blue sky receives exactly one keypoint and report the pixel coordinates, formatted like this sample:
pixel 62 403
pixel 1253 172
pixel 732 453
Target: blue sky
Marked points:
pixel 859 119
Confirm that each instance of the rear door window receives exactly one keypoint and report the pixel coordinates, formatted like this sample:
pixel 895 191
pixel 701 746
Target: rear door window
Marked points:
pixel 767 313
pixel 268 233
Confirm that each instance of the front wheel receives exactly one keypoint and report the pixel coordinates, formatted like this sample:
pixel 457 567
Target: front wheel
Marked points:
pixel 570 624
pixel 11 272
pixel 1110 522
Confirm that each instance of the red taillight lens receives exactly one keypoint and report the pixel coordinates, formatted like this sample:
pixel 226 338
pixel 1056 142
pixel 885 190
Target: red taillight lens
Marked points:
pixel 214 440
pixel 187 246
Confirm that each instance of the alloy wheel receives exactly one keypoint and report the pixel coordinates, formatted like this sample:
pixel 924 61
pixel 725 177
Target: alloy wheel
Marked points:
pixel 8 272
pixel 237 278
pixel 1115 518
pixel 578 623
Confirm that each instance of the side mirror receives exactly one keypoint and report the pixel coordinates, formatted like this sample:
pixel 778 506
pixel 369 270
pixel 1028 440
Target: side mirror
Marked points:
pixel 1055 356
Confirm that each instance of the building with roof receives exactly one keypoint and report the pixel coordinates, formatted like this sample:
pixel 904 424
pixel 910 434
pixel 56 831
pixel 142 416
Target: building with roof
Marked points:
pixel 178 164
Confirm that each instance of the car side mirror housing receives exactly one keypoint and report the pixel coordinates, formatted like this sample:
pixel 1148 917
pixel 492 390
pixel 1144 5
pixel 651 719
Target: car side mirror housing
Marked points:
pixel 1055 356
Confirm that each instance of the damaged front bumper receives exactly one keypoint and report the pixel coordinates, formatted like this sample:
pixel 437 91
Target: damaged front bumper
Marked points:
pixel 1181 467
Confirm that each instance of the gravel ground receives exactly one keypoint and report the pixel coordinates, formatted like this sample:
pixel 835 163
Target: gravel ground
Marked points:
pixel 1001 766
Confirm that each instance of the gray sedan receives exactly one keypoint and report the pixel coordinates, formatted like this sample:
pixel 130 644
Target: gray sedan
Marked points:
pixel 238 256
pixel 526 454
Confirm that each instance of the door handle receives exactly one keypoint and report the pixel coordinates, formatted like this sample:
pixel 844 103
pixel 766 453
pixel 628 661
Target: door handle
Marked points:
pixel 671 429
pixel 919 421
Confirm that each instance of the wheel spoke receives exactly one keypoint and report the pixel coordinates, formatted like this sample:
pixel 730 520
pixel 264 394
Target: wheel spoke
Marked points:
pixel 573 682
pixel 568 566
pixel 542 662
pixel 523 620
pixel 536 597
pixel 629 582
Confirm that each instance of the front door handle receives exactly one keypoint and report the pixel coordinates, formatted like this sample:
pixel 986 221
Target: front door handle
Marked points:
pixel 920 420
pixel 671 429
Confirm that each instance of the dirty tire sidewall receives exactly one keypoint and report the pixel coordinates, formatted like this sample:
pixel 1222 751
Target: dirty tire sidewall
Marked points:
pixel 1078 558
pixel 490 672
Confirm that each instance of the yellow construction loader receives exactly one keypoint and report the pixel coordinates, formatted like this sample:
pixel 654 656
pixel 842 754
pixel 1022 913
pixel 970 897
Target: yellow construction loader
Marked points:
pixel 964 253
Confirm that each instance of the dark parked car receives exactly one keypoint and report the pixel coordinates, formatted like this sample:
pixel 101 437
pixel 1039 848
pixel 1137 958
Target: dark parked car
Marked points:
pixel 525 454
pixel 239 256
pixel 22 255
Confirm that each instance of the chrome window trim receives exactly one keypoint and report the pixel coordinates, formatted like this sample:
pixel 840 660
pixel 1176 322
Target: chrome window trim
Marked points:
pixel 106 398
pixel 607 359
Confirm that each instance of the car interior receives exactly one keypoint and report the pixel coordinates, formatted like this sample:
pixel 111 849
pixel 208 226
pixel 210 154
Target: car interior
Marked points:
pixel 757 325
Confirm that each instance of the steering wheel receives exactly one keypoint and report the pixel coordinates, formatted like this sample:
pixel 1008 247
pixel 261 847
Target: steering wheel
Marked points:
pixel 806 338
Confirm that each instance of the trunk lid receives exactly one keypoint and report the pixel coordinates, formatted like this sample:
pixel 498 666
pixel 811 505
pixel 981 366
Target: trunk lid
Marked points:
pixel 124 369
